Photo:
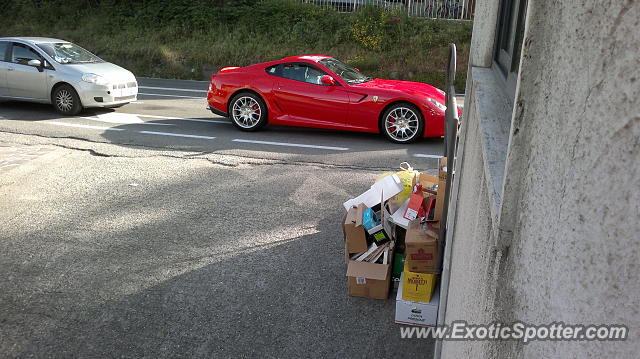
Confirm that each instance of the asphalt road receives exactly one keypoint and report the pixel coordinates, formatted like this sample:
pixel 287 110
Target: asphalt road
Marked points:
pixel 172 114
pixel 122 239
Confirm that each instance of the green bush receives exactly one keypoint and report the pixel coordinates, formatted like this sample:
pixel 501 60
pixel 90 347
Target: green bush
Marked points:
pixel 190 39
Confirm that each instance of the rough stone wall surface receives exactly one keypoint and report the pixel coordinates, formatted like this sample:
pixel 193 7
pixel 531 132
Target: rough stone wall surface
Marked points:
pixel 481 51
pixel 573 253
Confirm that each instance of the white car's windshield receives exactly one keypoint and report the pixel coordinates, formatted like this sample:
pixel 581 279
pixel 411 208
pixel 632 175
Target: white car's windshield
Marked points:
pixel 68 53
pixel 346 72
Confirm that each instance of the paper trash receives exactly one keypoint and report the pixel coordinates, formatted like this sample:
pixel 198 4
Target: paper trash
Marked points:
pixel 385 188
pixel 398 216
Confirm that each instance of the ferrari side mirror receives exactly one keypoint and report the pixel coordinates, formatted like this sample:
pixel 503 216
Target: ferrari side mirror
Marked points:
pixel 327 80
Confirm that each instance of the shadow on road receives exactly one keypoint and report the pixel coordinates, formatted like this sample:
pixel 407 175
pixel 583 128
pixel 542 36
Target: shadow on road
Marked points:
pixel 197 261
pixel 40 111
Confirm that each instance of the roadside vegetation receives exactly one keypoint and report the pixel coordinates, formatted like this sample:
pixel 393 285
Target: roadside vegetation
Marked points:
pixel 192 39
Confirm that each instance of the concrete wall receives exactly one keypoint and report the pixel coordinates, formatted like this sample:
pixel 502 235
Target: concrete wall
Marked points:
pixel 565 243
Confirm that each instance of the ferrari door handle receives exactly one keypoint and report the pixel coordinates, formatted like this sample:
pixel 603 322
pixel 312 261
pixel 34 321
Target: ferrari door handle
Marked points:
pixel 9 69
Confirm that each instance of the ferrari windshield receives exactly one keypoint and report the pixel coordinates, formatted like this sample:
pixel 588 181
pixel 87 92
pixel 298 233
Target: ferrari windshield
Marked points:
pixel 68 53
pixel 346 72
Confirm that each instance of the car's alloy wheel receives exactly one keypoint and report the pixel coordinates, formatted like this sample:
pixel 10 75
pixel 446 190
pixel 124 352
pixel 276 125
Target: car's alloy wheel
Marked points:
pixel 66 100
pixel 402 124
pixel 248 112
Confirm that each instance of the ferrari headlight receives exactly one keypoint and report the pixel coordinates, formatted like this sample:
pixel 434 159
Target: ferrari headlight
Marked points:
pixel 442 92
pixel 94 79
pixel 437 104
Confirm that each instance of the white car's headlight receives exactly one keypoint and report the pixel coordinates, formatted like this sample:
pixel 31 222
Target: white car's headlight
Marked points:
pixel 440 106
pixel 95 79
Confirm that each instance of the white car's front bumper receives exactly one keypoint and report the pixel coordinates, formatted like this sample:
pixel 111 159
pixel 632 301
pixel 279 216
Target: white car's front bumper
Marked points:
pixel 92 95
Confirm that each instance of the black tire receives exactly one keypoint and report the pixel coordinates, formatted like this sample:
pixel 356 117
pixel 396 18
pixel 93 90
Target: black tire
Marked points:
pixel 66 101
pixel 409 116
pixel 248 121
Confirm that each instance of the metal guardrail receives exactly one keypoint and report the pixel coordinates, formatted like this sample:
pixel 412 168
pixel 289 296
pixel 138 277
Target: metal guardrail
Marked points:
pixel 433 9
pixel 450 131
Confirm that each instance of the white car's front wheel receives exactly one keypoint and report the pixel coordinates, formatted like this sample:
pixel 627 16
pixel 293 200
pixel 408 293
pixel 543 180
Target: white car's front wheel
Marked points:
pixel 66 100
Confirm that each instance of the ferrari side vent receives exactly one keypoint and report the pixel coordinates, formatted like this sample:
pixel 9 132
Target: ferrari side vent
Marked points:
pixel 362 98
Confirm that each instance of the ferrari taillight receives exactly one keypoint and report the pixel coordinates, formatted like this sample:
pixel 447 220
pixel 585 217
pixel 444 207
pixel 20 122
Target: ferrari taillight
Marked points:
pixel 211 82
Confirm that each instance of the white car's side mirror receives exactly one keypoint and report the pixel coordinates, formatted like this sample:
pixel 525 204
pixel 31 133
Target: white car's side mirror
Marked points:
pixel 34 63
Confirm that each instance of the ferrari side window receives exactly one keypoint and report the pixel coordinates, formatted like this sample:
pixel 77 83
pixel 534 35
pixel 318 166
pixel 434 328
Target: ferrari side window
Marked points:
pixel 301 72
pixel 294 72
pixel 313 76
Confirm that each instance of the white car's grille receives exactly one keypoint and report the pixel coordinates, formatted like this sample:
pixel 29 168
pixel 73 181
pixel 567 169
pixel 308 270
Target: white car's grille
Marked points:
pixel 125 85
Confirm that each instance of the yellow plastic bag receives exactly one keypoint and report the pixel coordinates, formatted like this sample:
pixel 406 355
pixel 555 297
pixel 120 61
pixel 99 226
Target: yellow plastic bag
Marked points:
pixel 406 178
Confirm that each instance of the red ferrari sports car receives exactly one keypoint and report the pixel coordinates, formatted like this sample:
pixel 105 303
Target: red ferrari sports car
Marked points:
pixel 322 92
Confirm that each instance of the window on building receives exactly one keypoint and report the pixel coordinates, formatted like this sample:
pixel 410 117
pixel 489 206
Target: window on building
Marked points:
pixel 509 38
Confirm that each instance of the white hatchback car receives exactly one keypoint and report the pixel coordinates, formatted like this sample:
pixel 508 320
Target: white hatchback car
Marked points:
pixel 63 74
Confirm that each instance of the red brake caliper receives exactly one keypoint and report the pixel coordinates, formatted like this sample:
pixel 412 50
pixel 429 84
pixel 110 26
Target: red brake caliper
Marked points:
pixel 392 127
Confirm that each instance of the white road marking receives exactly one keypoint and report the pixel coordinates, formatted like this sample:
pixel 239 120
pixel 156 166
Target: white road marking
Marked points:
pixel 157 94
pixel 201 120
pixel 121 129
pixel 154 116
pixel 170 89
pixel 292 145
pixel 421 155
pixel 176 135
pixel 123 118
pixel 180 118
pixel 84 126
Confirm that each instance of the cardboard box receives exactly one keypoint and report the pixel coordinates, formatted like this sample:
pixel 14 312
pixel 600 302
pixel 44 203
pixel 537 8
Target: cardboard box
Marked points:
pixel 416 313
pixel 430 207
pixel 386 188
pixel 422 248
pixel 355 235
pixel 379 234
pixel 417 287
pixel 346 253
pixel 388 228
pixel 415 207
pixel 369 280
pixel 442 187
pixel 429 183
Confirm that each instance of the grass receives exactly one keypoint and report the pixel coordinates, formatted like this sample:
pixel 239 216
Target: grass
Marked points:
pixel 190 40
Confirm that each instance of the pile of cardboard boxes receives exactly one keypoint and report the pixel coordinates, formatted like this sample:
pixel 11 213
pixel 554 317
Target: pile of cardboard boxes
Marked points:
pixel 392 240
